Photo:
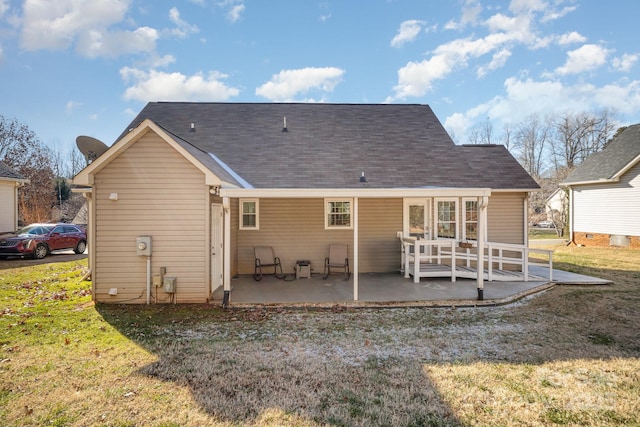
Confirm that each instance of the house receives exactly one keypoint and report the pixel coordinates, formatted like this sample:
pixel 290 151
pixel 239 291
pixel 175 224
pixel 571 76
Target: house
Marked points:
pixel 556 208
pixel 604 193
pixel 189 189
pixel 10 180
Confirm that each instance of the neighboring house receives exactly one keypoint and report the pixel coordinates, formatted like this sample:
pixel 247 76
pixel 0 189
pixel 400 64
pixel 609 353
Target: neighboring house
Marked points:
pixel 557 208
pixel 605 194
pixel 10 180
pixel 209 181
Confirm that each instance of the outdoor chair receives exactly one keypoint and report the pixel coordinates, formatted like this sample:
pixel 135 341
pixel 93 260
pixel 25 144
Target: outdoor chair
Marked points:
pixel 264 257
pixel 338 258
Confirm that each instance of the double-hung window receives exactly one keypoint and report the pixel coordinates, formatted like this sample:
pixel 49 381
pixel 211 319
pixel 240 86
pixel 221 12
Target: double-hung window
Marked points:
pixel 249 211
pixel 446 214
pixel 337 213
pixel 470 219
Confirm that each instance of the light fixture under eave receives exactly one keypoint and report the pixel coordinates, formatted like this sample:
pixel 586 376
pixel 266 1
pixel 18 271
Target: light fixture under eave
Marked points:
pixel 284 125
pixel 363 178
pixel 193 127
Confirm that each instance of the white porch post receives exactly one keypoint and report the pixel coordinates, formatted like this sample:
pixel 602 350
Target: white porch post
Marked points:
pixel 226 258
pixel 355 249
pixel 482 233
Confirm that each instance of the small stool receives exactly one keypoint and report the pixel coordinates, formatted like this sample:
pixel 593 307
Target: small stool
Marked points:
pixel 303 269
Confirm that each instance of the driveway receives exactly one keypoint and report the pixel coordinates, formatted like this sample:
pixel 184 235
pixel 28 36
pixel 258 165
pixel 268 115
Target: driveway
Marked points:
pixel 57 256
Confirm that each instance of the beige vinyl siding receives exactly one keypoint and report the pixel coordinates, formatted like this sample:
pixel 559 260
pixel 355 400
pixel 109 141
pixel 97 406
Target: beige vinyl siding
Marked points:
pixel 295 229
pixel 7 206
pixel 380 220
pixel 505 218
pixel 162 195
pixel 610 208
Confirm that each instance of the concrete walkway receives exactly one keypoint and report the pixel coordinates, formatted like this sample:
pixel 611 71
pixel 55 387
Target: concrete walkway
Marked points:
pixel 390 290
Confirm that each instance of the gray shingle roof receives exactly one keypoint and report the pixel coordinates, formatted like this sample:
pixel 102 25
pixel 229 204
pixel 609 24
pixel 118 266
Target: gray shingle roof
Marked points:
pixel 8 173
pixel 610 161
pixel 330 145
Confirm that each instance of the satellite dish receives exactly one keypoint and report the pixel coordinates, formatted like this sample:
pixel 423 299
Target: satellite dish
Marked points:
pixel 91 148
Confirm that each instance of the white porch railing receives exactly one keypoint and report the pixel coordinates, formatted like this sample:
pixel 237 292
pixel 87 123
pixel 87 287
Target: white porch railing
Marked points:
pixel 444 258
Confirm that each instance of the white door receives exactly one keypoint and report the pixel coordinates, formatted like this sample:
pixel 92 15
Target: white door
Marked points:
pixel 217 220
pixel 417 218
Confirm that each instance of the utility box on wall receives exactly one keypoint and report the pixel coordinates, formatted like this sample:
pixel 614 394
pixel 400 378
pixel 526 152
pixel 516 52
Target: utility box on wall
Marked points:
pixel 169 285
pixel 143 245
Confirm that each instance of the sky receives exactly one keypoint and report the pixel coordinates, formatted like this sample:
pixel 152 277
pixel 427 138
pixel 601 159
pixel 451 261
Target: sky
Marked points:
pixel 87 67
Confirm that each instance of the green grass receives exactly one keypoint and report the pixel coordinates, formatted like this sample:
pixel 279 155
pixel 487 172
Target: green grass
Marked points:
pixel 543 233
pixel 570 356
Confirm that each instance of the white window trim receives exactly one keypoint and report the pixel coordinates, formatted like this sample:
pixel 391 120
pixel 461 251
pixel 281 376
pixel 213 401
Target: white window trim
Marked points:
pixel 327 226
pixel 241 214
pixel 464 216
pixel 456 216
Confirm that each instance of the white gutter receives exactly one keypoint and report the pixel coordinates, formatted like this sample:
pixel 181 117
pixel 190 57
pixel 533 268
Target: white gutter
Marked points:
pixel 354 192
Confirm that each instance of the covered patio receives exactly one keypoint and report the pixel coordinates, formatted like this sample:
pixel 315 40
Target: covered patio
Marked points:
pixel 390 290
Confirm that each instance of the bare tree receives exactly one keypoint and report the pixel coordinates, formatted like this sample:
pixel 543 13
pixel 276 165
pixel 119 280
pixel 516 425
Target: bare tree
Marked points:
pixel 507 136
pixel 481 133
pixel 531 141
pixel 21 150
pixel 579 135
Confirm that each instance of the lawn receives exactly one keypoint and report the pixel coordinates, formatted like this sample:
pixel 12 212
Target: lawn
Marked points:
pixel 569 356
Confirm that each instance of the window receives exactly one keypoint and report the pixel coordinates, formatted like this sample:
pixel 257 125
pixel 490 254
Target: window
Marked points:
pixel 337 213
pixel 446 214
pixel 470 219
pixel 249 209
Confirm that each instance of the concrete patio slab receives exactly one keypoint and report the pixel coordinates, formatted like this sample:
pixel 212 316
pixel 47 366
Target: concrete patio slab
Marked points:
pixel 391 289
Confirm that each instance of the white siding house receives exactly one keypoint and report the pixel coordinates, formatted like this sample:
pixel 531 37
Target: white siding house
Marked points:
pixel 605 194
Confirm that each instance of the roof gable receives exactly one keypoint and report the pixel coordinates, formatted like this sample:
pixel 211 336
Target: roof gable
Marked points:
pixel 198 158
pixel 330 145
pixel 612 162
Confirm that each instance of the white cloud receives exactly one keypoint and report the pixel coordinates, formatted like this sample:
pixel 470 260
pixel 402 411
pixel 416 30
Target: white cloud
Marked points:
pixel 407 32
pixel 572 37
pixel 525 6
pixel 55 25
pixel 4 6
pixel 552 15
pixel 112 44
pixel 504 33
pixel 470 13
pixel 235 13
pixel 72 105
pixel 288 84
pixel 183 29
pixel 159 86
pixel 87 25
pixel 585 58
pixel 497 61
pixel 524 97
pixel 625 63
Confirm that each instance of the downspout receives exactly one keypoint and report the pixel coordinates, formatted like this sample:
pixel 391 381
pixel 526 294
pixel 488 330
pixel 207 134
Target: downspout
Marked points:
pixel 91 229
pixel 226 256
pixel 355 249
pixel 571 201
pixel 482 211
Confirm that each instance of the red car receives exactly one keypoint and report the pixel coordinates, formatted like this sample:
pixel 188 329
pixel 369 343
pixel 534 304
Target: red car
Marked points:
pixel 38 240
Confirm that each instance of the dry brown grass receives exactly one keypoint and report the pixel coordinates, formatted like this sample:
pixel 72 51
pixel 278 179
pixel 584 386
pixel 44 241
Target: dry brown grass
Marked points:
pixel 569 356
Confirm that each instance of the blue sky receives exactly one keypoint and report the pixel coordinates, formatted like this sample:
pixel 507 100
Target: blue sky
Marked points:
pixel 74 67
